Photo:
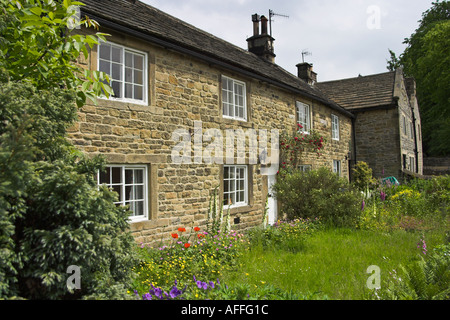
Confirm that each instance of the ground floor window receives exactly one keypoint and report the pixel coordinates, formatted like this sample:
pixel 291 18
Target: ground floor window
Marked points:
pixel 235 186
pixel 130 183
pixel 337 167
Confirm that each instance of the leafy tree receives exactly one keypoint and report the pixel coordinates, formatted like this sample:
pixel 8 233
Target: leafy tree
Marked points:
pixel 38 46
pixel 427 60
pixel 52 214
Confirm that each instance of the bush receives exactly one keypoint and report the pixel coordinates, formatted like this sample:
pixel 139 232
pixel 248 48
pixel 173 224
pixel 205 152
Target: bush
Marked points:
pixel 318 193
pixel 52 214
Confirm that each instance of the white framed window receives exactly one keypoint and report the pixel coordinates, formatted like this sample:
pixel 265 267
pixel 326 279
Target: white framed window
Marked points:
pixel 127 71
pixel 304 167
pixel 130 183
pixel 303 116
pixel 337 167
pixel 235 186
pixel 234 100
pixel 334 127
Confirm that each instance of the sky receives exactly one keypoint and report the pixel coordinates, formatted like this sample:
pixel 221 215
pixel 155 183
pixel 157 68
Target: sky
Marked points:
pixel 346 38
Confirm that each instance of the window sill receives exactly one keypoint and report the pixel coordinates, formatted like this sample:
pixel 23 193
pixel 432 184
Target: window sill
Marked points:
pixel 238 209
pixel 235 121
pixel 137 220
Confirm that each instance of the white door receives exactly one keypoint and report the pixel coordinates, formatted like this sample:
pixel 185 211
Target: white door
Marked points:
pixel 271 202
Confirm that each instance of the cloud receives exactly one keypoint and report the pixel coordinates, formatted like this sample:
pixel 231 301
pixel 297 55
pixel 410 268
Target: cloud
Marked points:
pixel 339 33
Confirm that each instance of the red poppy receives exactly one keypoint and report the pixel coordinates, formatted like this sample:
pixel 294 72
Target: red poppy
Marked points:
pixel 187 245
pixel 181 229
pixel 174 235
pixel 200 235
pixel 196 229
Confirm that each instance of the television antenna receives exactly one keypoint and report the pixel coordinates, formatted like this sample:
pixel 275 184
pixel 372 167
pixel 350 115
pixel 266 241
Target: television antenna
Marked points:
pixel 272 14
pixel 305 53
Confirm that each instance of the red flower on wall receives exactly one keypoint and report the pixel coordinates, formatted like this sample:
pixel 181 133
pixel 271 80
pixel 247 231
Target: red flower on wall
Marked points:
pixel 196 229
pixel 181 229
pixel 175 235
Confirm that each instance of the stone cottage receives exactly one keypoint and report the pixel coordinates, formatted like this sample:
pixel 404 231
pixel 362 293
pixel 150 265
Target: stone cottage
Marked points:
pixel 180 95
pixel 387 127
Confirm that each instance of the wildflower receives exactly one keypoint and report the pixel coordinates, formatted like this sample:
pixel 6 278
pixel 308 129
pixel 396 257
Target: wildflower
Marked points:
pixel 196 229
pixel 187 245
pixel 147 296
pixel 182 229
pixel 175 235
pixel 382 195
pixel 363 204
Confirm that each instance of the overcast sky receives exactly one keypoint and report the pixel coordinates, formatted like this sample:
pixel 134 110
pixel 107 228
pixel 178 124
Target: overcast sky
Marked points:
pixel 346 37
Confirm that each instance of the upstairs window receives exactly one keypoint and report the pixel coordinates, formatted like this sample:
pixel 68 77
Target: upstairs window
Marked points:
pixel 234 99
pixel 127 71
pixel 334 127
pixel 304 117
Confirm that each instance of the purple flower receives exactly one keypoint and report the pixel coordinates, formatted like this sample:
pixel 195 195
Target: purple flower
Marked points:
pixel 363 204
pixel 175 292
pixel 211 283
pixel 204 285
pixel 382 195
pixel 147 296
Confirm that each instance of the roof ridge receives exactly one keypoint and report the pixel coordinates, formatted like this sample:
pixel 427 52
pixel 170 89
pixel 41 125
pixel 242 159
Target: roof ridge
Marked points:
pixel 358 77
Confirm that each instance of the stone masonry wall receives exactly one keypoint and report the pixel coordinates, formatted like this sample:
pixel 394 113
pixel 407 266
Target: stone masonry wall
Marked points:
pixel 183 90
pixel 377 141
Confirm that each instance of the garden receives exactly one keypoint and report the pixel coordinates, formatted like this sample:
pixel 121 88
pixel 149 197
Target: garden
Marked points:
pixel 320 252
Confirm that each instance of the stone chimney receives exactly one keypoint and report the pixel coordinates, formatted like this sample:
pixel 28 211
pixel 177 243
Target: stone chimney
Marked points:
pixel 306 73
pixel 261 44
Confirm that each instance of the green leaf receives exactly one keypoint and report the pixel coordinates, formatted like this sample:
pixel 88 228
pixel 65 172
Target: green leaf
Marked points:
pixel 36 10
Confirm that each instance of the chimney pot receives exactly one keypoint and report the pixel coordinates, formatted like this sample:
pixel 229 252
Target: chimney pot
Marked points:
pixel 264 25
pixel 255 19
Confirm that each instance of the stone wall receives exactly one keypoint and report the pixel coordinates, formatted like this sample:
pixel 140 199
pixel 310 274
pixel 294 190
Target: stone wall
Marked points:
pixel 377 141
pixel 184 92
pixel 436 165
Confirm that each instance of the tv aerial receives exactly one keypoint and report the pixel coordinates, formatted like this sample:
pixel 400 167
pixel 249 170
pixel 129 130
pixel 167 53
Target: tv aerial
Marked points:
pixel 273 14
pixel 305 53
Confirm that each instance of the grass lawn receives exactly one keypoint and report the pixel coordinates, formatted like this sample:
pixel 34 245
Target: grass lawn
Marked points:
pixel 333 264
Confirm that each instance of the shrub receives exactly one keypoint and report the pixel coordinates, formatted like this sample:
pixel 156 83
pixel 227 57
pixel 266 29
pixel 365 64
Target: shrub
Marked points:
pixel 52 214
pixel 318 193
pixel 425 279
pixel 362 177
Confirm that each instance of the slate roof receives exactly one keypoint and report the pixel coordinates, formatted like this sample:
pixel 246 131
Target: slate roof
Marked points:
pixel 361 92
pixel 148 22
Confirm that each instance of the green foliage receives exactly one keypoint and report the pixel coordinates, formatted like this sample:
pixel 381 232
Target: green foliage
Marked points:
pixel 201 254
pixel 284 235
pixel 52 214
pixel 318 193
pixel 426 59
pixel 38 45
pixel 425 279
pixel 416 206
pixel 292 146
pixel 362 177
